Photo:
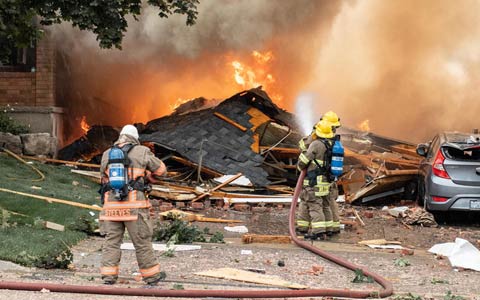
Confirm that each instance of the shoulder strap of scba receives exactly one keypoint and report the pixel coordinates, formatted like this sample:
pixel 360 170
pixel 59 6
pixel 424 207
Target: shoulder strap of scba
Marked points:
pixel 125 149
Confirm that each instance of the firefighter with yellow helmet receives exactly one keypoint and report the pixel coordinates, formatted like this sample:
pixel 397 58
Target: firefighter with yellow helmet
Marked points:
pixel 316 186
pixel 333 220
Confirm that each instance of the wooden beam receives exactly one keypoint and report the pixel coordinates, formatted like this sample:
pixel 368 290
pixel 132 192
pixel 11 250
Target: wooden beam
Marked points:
pixel 58 161
pixel 218 187
pixel 194 165
pixel 54 200
pixel 230 121
pixel 268 239
pixel 282 150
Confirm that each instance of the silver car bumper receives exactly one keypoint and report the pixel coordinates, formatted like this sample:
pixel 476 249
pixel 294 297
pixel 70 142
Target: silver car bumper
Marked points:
pixel 459 196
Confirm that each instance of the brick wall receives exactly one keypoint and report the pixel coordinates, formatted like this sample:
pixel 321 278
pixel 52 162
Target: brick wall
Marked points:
pixel 32 88
pixel 17 89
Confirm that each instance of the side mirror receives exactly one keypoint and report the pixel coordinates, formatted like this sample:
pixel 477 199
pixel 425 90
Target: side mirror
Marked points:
pixel 422 149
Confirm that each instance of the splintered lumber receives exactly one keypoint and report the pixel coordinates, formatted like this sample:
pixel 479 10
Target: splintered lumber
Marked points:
pixel 358 217
pixel 402 172
pixel 247 276
pixel 230 121
pixel 54 226
pixel 58 161
pixel 381 187
pixel 218 187
pixel 281 189
pixel 194 165
pixel 268 239
pixel 379 242
pixel 190 217
pixel 52 200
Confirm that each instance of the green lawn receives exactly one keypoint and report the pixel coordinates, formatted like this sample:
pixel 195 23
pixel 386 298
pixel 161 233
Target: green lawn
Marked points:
pixel 23 238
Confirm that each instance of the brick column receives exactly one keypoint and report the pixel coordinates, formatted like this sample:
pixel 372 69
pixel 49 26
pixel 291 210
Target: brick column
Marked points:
pixel 45 72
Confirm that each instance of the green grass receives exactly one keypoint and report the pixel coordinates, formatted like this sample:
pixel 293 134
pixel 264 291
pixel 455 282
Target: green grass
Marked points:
pixel 24 240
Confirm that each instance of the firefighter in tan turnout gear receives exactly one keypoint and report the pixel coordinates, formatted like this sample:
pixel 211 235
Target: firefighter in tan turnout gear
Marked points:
pixel 127 206
pixel 316 186
pixel 334 226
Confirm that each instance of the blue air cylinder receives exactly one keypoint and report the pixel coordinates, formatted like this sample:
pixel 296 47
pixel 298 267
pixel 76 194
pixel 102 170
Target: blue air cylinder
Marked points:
pixel 338 153
pixel 116 170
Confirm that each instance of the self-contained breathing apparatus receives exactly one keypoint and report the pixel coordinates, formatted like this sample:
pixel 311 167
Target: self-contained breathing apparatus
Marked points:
pixel 120 181
pixel 332 166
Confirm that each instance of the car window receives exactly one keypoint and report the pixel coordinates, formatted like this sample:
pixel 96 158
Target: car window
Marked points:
pixel 433 147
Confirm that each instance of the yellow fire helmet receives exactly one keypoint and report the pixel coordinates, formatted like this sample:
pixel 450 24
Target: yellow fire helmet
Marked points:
pixel 323 129
pixel 332 118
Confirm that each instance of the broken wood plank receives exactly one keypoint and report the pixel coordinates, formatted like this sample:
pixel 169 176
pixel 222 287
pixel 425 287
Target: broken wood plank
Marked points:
pixel 58 161
pixel 379 242
pixel 281 189
pixel 293 151
pixel 227 182
pixel 358 217
pixel 230 121
pixel 52 200
pixel 54 226
pixel 194 165
pixel 268 239
pixel 246 276
pixel 191 217
pixel 401 172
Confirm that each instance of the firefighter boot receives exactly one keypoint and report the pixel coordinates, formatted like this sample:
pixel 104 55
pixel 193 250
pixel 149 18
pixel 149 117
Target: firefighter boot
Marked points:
pixel 156 278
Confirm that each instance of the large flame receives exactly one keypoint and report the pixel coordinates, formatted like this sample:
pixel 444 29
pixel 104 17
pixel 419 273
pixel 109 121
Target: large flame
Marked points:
pixel 257 73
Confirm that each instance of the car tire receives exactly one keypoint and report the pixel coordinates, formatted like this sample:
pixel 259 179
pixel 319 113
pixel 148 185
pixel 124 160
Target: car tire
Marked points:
pixel 440 217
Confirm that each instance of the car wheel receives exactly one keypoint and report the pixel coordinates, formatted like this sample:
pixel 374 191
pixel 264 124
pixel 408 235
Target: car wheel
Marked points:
pixel 410 191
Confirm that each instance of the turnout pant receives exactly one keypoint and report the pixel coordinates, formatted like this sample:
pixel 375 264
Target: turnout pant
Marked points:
pixel 140 231
pixel 310 212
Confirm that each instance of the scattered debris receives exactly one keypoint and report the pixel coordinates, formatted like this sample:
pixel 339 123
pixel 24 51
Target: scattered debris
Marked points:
pixel 52 200
pixel 237 229
pixel 270 239
pixel 163 247
pixel 54 226
pixel 401 262
pixel 462 254
pixel 419 216
pixel 185 233
pixel 246 276
pixel 246 252
pixel 281 263
pixel 399 211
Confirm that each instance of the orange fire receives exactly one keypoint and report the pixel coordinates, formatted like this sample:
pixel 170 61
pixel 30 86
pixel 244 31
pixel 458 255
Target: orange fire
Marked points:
pixel 179 102
pixel 257 73
pixel 84 125
pixel 364 125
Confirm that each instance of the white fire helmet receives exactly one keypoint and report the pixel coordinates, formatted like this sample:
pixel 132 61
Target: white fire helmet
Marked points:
pixel 130 130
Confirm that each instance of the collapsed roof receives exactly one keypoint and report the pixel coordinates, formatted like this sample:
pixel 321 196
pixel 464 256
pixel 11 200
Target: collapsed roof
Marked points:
pixel 224 138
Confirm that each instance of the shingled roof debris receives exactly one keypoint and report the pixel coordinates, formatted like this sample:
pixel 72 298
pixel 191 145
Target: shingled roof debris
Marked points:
pixel 223 137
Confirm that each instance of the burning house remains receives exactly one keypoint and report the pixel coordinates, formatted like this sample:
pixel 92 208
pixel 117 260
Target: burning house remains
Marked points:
pixel 248 134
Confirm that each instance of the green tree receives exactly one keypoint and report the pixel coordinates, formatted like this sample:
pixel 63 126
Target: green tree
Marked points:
pixel 19 19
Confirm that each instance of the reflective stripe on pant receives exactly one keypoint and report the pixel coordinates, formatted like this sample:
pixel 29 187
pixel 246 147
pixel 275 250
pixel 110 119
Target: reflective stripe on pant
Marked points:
pixel 312 210
pixel 303 217
pixel 140 231
pixel 334 207
pixel 327 213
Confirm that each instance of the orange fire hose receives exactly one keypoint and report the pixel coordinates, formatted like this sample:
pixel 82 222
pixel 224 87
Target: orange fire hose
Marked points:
pixel 385 292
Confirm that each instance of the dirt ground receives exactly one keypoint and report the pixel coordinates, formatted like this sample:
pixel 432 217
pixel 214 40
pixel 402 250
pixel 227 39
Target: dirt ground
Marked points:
pixel 426 276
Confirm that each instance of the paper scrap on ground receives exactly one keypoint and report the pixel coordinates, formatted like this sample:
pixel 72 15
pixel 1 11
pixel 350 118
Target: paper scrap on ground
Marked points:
pixel 241 181
pixel 237 229
pixel 163 247
pixel 398 211
pixel 246 276
pixel 461 254
pixel 246 252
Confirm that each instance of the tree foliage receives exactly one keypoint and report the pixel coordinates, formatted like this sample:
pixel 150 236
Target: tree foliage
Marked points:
pixel 19 19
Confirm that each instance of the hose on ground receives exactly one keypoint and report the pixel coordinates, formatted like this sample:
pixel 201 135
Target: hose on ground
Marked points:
pixel 385 292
